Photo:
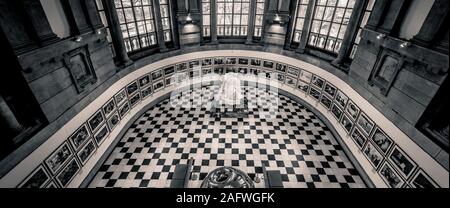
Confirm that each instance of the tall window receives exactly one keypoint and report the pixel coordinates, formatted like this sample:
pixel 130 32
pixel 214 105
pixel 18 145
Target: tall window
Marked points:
pixel 300 20
pixel 232 17
pixel 165 18
pixel 206 12
pixel 137 23
pixel 259 17
pixel 101 11
pixel 364 20
pixel 329 24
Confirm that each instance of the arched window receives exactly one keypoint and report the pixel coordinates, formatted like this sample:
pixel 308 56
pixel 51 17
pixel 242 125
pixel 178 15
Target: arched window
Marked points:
pixel 136 20
pixel 232 17
pixel 329 24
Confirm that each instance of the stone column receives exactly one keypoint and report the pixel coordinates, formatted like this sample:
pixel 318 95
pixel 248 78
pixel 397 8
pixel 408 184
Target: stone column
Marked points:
pixel 116 34
pixel 433 23
pixel 306 26
pixel 39 22
pixel 158 26
pixel 214 22
pixel 7 116
pixel 251 22
pixel 351 33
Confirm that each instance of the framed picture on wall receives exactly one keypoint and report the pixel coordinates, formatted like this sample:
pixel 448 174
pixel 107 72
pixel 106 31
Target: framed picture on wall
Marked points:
pixel 144 80
pixel 303 86
pixel 146 91
pixel 280 77
pixel 402 162
pixel 242 70
pixel 68 172
pixel 59 157
pixel 37 179
pixel 341 99
pixel 109 107
pixel 132 88
pixel 231 60
pixel 352 110
pixel 206 62
pixel 290 81
pixel 102 133
pixel 182 67
pixel 381 140
pixel 124 109
pixel 96 120
pixel 135 99
pixel 156 75
pixel 113 120
pixel 79 137
pixel 314 93
pixel 305 76
pixel 268 64
pixel 326 102
pixel 169 71
pixel 293 71
pixel 193 64
pixel 158 86
pixel 365 123
pixel 281 67
pixel 358 137
pixel 318 82
pixel 243 61
pixel 337 112
pixel 330 90
pixel 346 123
pixel 120 97
pixel 390 177
pixel 86 152
pixel 255 62
pixel 373 155
pixel 422 180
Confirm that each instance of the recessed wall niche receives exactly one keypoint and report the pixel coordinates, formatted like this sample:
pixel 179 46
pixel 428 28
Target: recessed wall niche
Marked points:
pixel 79 64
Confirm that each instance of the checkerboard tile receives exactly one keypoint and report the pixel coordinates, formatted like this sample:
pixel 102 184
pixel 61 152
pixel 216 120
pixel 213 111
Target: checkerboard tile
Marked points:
pixel 277 132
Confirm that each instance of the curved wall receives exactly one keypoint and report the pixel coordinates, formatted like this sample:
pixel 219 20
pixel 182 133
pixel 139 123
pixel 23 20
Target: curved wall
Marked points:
pixel 37 166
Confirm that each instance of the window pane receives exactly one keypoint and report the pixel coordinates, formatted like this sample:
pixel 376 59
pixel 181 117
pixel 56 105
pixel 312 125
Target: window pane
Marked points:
pixel 232 16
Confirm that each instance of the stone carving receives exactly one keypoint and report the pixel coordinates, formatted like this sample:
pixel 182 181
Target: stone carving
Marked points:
pixel 80 67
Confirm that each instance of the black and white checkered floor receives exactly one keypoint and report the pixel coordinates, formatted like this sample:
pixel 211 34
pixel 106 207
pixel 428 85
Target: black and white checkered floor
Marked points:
pixel 278 132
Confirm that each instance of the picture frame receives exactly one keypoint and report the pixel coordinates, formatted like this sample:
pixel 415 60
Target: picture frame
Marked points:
pixel 135 100
pixel 79 137
pixel 219 61
pixel 341 99
pixel 291 81
pixel 255 62
pixel 365 123
pixel 326 102
pixel 243 61
pixel 305 76
pixel 120 97
pixel 113 120
pixel 281 67
pixel 358 137
pixel 96 120
pixel 182 67
pixel 254 71
pixel 68 172
pixel 422 180
pixel 373 155
pixel 59 157
pixel 318 82
pixel 170 70
pixel 243 70
pixel 336 111
pixel 346 123
pixel 206 62
pixel 158 86
pixel 102 133
pixel 144 80
pixel 280 77
pixel 352 110
pixel 330 90
pixel 206 71
pixel 381 141
pixel 193 64
pixel 402 162
pixel 109 107
pixel 268 64
pixel 146 91
pixel 293 71
pixel 156 75
pixel 86 152
pixel 124 109
pixel 36 179
pixel 231 60
pixel 390 176
pixel 314 93
pixel 303 86
pixel 132 88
